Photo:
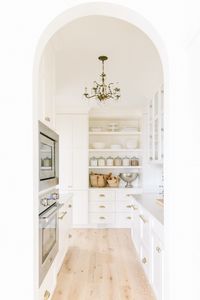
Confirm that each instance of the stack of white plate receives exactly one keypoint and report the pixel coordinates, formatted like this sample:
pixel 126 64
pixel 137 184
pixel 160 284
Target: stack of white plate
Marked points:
pixel 113 127
pixel 129 129
pixel 96 129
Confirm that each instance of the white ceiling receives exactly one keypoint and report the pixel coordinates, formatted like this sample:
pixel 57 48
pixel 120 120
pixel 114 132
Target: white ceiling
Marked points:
pixel 133 60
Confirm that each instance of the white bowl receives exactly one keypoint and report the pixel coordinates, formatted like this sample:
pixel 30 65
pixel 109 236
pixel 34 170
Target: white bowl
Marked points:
pixel 98 145
pixel 115 146
pixel 131 144
pixel 96 129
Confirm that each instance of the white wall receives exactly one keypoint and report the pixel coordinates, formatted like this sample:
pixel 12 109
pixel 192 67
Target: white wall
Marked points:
pixel 22 24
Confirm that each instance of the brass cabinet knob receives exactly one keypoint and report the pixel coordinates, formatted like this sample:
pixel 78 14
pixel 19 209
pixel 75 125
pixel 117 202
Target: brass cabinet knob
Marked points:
pixel 158 249
pixel 129 195
pixel 69 236
pixel 129 206
pixel 101 206
pixel 69 205
pixel 129 218
pixel 102 218
pixel 46 295
pixel 101 195
pixel 144 260
pixel 134 207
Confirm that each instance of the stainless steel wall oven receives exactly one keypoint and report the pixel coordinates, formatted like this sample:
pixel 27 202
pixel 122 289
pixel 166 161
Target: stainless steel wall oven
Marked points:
pixel 48 157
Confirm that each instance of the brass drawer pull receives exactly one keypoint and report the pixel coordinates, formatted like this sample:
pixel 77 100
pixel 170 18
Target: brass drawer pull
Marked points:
pixel 102 218
pixel 69 205
pixel 47 119
pixel 101 195
pixel 69 236
pixel 144 260
pixel 129 206
pixel 101 206
pixel 129 195
pixel 129 218
pixel 158 249
pixel 46 295
pixel 62 216
pixel 143 219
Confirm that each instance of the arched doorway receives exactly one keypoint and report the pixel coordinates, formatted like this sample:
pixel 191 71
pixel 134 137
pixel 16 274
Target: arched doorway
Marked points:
pixel 109 10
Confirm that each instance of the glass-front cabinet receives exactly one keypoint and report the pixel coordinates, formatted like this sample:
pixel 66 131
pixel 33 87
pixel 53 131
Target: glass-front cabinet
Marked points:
pixel 155 127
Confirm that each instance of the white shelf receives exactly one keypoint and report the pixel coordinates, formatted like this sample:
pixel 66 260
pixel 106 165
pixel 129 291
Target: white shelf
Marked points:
pixel 115 150
pixel 115 167
pixel 115 133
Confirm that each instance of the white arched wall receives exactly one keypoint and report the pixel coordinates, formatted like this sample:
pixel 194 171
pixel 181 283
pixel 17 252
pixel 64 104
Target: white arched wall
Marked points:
pixel 83 10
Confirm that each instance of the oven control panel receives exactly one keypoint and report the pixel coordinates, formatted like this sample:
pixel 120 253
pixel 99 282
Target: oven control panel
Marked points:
pixel 47 199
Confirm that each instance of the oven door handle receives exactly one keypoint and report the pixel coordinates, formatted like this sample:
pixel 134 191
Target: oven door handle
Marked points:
pixel 46 216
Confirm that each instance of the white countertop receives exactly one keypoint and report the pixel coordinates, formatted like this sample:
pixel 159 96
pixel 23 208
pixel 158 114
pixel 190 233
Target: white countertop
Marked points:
pixel 148 201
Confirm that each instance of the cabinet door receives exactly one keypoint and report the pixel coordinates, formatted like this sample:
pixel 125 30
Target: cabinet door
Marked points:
pixel 80 169
pixel 136 227
pixel 64 127
pixel 157 265
pixel 80 208
pixel 80 131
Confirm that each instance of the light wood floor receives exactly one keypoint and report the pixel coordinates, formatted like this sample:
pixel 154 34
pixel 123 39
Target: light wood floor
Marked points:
pixel 102 264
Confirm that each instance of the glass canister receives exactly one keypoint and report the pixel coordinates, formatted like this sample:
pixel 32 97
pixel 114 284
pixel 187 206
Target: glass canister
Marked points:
pixel 134 161
pixel 101 161
pixel 109 161
pixel 118 161
pixel 126 161
pixel 93 162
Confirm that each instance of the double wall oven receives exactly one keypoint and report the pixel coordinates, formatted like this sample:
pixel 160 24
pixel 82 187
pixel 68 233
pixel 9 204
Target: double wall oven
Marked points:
pixel 48 199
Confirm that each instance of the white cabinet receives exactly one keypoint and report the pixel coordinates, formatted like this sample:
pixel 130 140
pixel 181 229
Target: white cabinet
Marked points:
pixel 156 128
pixel 157 266
pixel 48 285
pixel 73 161
pixel 136 226
pixel 46 90
pixel 65 226
pixel 80 208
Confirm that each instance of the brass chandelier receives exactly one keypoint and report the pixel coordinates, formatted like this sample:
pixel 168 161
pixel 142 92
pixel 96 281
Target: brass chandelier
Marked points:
pixel 102 91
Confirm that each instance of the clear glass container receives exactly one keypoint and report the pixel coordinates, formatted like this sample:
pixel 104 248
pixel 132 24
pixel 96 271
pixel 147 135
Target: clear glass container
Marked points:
pixel 126 161
pixel 93 162
pixel 134 161
pixel 118 161
pixel 109 161
pixel 101 161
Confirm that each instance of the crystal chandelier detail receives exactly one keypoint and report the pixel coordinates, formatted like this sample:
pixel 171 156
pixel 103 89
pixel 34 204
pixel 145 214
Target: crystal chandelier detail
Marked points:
pixel 102 91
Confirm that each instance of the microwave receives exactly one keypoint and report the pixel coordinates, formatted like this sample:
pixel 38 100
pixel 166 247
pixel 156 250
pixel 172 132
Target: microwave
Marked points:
pixel 48 157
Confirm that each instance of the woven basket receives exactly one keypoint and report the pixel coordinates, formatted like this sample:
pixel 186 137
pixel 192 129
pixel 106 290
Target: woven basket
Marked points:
pixel 114 181
pixel 99 180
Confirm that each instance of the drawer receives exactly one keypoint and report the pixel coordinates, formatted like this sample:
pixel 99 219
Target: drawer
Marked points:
pixel 102 218
pixel 126 194
pixel 145 225
pixel 101 195
pixel 101 206
pixel 124 206
pixel 124 220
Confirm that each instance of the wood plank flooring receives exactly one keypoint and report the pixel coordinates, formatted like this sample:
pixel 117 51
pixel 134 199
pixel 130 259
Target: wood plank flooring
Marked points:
pixel 102 264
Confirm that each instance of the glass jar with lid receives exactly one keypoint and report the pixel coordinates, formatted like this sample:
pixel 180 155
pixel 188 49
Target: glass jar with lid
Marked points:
pixel 109 161
pixel 134 161
pixel 93 161
pixel 118 161
pixel 126 161
pixel 101 161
